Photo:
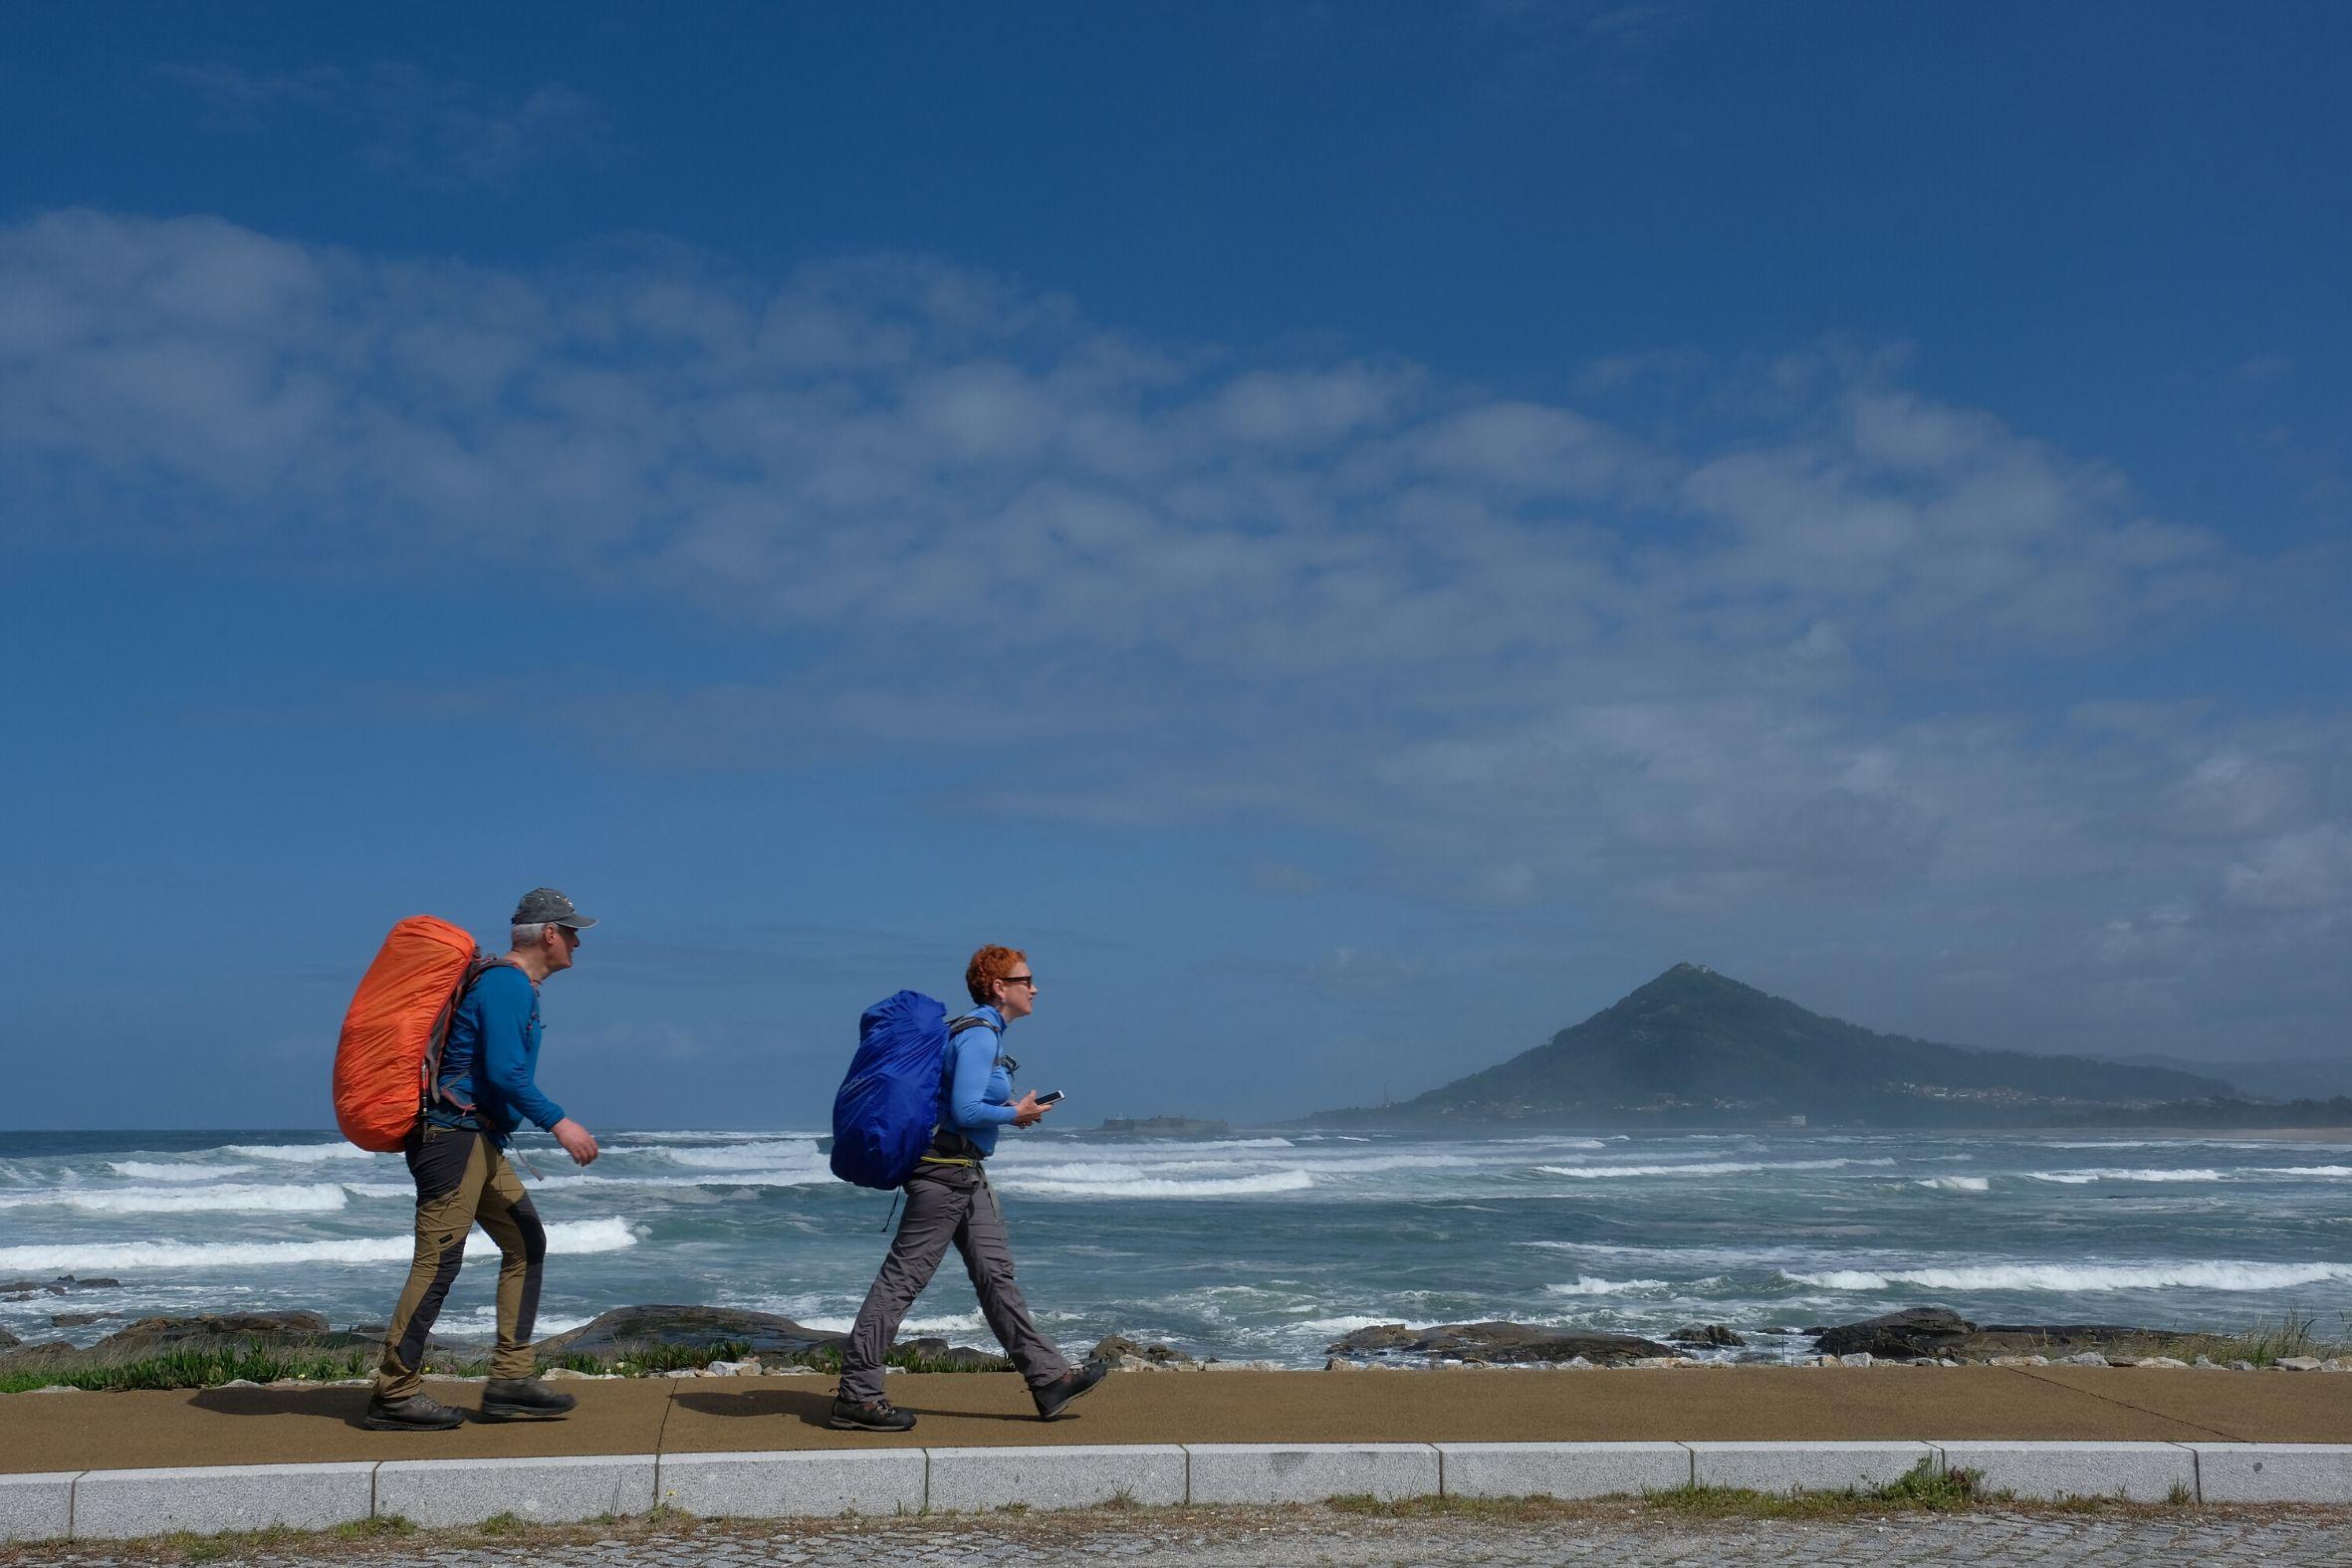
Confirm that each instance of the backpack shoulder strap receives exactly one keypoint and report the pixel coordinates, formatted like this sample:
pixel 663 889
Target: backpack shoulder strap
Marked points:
pixel 480 964
pixel 969 1020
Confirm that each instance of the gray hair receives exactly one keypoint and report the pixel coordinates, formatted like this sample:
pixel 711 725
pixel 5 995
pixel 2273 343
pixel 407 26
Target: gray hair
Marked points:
pixel 531 935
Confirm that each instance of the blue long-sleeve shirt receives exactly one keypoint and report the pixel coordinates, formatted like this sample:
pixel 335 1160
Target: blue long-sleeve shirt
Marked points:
pixel 976 1092
pixel 491 1062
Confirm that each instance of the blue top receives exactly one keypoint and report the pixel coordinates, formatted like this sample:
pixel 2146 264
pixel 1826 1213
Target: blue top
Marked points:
pixel 976 1092
pixel 492 1057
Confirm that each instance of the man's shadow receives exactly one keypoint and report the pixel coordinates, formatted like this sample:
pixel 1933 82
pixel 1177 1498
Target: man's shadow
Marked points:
pixel 348 1404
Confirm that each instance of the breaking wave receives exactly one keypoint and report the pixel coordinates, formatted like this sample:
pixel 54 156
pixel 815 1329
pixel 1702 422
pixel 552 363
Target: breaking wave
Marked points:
pixel 572 1237
pixel 1587 1286
pixel 320 1198
pixel 1955 1184
pixel 737 1156
pixel 2084 1276
pixel 1156 1187
pixel 147 1171
pixel 299 1153
pixel 1706 1168
pixel 2109 1174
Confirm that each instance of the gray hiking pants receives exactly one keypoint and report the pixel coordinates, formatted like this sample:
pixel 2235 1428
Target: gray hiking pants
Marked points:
pixel 946 1203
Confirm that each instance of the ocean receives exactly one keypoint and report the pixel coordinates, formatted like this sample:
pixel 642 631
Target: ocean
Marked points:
pixel 1253 1246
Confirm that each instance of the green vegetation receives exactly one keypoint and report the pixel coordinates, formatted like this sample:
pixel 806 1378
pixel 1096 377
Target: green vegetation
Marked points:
pixel 184 1368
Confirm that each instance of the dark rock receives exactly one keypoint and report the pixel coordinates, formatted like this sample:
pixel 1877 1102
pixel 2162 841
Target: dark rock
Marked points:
pixel 1705 1334
pixel 762 1333
pixel 962 1358
pixel 1113 1347
pixel 78 1320
pixel 19 1289
pixel 8 1341
pixel 1940 1333
pixel 94 1282
pixel 1817 1328
pixel 1498 1342
pixel 1893 1336
pixel 151 1333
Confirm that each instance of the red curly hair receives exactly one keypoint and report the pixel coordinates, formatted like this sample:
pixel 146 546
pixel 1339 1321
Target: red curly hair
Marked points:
pixel 990 965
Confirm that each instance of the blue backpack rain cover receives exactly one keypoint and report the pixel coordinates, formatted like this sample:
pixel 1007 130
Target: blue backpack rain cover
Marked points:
pixel 888 1105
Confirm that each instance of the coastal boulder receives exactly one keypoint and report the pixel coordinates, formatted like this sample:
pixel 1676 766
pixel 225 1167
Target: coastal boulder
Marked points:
pixel 1714 1334
pixel 155 1333
pixel 1913 1331
pixel 8 1341
pixel 1495 1343
pixel 938 1352
pixel 698 1327
pixel 1121 1351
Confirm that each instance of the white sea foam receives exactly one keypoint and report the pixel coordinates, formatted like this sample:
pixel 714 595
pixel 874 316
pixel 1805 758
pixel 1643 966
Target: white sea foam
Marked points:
pixel 2084 1276
pixel 1366 1164
pixel 146 1170
pixel 960 1323
pixel 299 1153
pixel 1588 1286
pixel 1955 1184
pixel 229 1199
pixel 1158 1186
pixel 571 1238
pixel 1345 1323
pixel 1702 1168
pixel 2305 1170
pixel 811 1176
pixel 2112 1174
pixel 380 1188
pixel 729 1157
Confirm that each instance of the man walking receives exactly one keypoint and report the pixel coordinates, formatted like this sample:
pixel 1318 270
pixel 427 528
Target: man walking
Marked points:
pixel 484 1087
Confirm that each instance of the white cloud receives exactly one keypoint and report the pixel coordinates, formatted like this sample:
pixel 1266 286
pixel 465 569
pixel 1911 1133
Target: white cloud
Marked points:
pixel 1517 652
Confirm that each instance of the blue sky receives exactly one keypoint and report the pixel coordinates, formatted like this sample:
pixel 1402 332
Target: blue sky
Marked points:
pixel 1355 535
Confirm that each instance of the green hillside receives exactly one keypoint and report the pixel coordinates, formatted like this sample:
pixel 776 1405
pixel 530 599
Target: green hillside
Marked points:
pixel 1695 1046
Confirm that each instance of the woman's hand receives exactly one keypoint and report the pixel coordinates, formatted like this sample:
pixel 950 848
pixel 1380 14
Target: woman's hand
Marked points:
pixel 1027 1111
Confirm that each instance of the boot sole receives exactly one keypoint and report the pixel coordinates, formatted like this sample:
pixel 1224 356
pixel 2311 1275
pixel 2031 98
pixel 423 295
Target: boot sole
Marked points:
pixel 495 1413
pixel 859 1426
pixel 411 1426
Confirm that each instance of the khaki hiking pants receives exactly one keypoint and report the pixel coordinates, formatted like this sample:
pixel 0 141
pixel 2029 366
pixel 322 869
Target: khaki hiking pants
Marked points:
pixel 944 1204
pixel 463 1180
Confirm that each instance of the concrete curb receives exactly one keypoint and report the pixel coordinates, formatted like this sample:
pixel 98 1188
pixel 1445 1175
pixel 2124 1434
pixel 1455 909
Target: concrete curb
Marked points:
pixel 125 1504
pixel 2135 1471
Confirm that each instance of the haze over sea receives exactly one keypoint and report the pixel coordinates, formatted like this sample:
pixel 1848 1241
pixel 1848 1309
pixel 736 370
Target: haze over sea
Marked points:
pixel 1259 1245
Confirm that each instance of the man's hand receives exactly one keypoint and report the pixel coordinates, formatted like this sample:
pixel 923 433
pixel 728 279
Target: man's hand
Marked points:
pixel 1027 1111
pixel 576 1140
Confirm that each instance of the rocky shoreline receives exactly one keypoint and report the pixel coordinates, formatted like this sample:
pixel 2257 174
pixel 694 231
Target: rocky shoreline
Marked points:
pixel 671 1340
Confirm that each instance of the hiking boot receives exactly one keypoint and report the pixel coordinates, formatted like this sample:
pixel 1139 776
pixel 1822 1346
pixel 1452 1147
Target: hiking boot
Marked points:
pixel 1054 1396
pixel 523 1398
pixel 869 1415
pixel 416 1413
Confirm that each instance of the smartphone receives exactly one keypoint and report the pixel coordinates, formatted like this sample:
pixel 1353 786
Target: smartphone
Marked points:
pixel 1050 1097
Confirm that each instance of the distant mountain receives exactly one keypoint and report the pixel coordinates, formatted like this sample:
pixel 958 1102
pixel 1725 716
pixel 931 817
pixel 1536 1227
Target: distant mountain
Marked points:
pixel 2271 1079
pixel 1695 1046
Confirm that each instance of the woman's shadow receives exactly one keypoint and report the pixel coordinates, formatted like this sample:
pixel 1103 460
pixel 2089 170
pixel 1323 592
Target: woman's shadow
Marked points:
pixel 809 1407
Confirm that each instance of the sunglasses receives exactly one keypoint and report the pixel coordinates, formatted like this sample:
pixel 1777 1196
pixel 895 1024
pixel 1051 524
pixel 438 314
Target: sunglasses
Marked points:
pixel 1030 981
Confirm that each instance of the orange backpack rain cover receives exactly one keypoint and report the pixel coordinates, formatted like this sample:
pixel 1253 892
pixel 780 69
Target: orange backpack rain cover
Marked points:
pixel 400 1014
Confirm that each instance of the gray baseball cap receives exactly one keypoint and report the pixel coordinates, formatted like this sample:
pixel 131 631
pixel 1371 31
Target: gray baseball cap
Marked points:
pixel 546 906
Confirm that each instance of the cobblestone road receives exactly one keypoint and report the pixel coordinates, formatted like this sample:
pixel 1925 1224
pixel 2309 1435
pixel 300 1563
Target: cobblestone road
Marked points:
pixel 1229 1538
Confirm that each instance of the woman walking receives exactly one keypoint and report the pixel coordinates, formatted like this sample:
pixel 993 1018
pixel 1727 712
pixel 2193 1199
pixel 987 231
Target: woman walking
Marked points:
pixel 948 1199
